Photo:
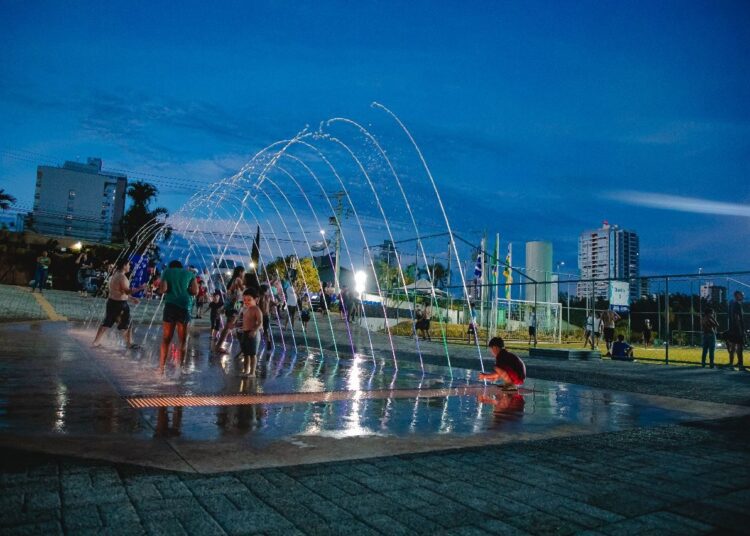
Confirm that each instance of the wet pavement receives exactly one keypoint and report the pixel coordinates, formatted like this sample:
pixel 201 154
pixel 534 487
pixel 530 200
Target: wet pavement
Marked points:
pixel 61 396
pixel 95 441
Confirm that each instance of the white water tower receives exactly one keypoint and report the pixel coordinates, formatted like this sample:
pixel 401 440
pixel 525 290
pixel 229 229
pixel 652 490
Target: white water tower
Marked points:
pixel 539 267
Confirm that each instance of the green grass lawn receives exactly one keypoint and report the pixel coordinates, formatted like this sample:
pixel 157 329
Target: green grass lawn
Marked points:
pixel 684 354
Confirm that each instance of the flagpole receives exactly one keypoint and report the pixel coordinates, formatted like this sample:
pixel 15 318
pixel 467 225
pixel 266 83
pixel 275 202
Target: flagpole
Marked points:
pixel 496 281
pixel 482 280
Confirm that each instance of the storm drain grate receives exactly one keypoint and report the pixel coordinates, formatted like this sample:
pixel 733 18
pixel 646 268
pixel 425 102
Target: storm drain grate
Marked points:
pixel 294 398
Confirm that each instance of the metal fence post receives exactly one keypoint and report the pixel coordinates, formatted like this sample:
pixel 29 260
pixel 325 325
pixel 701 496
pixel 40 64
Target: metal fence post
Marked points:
pixel 666 319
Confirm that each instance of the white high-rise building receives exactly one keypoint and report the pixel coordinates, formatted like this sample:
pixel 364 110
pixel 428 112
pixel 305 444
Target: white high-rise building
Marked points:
pixel 79 201
pixel 608 252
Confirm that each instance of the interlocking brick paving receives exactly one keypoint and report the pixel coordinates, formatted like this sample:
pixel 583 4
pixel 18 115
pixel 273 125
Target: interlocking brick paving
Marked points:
pixel 677 479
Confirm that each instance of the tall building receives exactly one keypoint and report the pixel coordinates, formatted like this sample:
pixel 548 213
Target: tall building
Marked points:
pixel 539 268
pixel 79 201
pixel 608 252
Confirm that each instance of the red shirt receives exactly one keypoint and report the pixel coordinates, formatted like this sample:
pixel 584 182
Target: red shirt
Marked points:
pixel 511 364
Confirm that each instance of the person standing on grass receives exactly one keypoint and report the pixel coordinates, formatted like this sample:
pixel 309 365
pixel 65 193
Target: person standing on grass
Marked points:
pixel 42 269
pixel 736 333
pixel 647 332
pixel 117 308
pixel 588 332
pixel 708 327
pixel 608 320
pixel 178 286
pixel 508 367
pixel 532 327
pixel 597 331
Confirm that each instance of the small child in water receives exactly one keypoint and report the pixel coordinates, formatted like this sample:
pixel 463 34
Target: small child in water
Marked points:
pixel 252 321
pixel 215 307
pixel 508 367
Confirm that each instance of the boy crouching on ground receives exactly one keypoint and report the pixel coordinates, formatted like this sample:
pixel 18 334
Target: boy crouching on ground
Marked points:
pixel 508 367
pixel 252 320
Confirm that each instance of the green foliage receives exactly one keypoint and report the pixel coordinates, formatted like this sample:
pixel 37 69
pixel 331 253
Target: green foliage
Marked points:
pixel 140 224
pixel 307 273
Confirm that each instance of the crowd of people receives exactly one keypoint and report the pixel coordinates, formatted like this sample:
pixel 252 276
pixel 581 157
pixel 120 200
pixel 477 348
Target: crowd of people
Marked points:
pixel 734 337
pixel 240 308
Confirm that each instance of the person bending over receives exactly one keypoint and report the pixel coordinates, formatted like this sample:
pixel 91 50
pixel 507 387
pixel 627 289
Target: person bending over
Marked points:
pixel 508 367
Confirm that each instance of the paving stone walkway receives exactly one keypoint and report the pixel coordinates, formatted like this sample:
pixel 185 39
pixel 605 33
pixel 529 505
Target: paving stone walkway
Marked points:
pixel 682 479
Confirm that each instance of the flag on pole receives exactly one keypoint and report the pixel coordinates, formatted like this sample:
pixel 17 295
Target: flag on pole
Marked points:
pixel 478 268
pixel 507 272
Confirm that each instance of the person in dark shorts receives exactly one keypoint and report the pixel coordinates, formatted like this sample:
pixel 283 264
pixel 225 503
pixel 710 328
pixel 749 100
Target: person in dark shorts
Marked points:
pixel 178 286
pixel 735 335
pixel 252 320
pixel 532 327
pixel 609 319
pixel 117 308
pixel 214 308
pixel 508 367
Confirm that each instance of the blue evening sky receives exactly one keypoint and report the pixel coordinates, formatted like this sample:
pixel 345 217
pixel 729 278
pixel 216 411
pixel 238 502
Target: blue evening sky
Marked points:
pixel 538 119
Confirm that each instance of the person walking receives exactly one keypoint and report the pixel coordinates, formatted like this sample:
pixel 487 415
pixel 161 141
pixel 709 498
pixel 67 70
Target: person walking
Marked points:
pixel 232 304
pixel 291 306
pixel 708 326
pixel 117 308
pixel 736 333
pixel 42 269
pixel 178 286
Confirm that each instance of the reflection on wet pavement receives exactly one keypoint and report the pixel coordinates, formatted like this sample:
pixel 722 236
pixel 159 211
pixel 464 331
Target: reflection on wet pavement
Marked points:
pixel 55 386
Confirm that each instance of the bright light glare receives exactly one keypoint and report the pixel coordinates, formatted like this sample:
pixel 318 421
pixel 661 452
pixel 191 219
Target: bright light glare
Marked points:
pixel 360 278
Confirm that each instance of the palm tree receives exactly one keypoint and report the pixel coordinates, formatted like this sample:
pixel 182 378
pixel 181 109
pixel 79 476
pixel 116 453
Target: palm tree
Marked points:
pixel 138 215
pixel 142 193
pixel 6 200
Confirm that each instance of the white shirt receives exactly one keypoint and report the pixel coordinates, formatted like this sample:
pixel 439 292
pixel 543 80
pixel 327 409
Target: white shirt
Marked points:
pixel 291 296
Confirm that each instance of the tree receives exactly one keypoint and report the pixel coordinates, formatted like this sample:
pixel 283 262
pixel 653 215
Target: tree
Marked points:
pixel 140 224
pixel 307 276
pixel 439 275
pixel 6 200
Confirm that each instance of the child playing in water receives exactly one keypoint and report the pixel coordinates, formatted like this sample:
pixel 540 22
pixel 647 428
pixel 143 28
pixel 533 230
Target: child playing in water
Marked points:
pixel 252 320
pixel 304 311
pixel 508 367
pixel 214 308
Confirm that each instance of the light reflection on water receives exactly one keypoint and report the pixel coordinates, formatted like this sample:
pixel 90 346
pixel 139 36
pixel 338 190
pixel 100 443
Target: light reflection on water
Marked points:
pixel 540 405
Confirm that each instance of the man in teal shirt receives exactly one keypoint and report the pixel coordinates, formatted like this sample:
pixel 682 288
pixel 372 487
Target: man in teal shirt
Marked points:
pixel 178 286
